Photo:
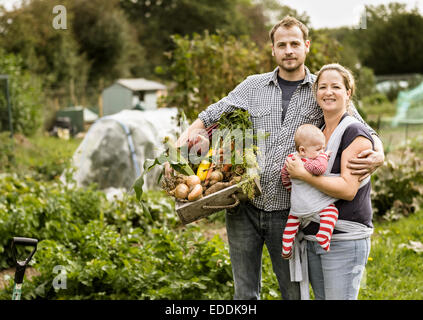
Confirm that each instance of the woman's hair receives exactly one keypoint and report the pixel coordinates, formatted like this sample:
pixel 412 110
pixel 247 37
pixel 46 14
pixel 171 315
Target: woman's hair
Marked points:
pixel 289 22
pixel 346 75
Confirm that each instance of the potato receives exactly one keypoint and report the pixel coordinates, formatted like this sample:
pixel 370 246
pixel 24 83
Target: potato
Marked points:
pixel 196 192
pixel 217 187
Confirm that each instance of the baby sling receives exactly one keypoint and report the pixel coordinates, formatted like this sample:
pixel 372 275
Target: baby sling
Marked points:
pixel 316 201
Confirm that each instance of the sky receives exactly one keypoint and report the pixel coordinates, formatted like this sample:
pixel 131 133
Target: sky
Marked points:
pixel 8 4
pixel 337 13
pixel 322 13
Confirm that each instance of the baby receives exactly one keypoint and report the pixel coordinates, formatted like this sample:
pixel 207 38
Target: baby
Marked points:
pixel 310 144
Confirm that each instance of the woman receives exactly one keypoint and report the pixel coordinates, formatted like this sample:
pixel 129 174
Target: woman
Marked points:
pixel 337 274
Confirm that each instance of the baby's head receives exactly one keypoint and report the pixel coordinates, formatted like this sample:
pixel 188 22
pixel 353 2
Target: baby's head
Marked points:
pixel 309 141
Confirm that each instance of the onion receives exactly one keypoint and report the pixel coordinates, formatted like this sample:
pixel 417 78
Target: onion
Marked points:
pixel 196 193
pixel 181 191
pixel 193 180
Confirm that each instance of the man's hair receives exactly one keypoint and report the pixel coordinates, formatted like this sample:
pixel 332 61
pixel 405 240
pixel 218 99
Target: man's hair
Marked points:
pixel 289 22
pixel 307 132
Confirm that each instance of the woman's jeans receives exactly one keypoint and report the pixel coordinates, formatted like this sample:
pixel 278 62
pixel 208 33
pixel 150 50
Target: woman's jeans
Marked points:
pixel 336 275
pixel 248 229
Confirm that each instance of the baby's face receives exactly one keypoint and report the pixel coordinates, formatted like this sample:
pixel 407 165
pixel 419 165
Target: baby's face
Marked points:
pixel 313 152
pixel 312 149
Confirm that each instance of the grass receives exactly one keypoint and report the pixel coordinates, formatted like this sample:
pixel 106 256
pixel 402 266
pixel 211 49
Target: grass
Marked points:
pixel 393 137
pixel 45 155
pixel 393 272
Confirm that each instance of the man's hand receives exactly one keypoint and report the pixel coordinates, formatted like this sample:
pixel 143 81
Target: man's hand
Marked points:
pixel 365 163
pixel 168 170
pixel 190 134
pixel 198 142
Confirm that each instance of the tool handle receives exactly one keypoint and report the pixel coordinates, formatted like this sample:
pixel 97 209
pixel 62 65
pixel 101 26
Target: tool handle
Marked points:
pixel 21 265
pixel 24 241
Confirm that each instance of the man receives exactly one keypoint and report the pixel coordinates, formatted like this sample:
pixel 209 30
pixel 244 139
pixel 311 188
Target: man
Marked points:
pixel 278 102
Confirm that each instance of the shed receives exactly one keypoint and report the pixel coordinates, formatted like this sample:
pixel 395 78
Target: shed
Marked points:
pixel 78 116
pixel 136 93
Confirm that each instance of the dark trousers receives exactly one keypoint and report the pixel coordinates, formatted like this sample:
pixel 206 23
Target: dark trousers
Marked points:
pixel 249 228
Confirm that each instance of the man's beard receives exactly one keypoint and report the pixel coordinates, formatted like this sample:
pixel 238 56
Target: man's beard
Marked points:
pixel 291 68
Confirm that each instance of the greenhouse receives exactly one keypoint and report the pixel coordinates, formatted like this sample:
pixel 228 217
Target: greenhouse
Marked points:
pixel 409 107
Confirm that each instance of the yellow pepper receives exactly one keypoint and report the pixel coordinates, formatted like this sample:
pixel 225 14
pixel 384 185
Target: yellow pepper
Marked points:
pixel 204 166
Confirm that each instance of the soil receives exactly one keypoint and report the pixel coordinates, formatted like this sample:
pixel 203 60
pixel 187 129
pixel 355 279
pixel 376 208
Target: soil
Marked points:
pixel 210 230
pixel 29 273
pixel 210 233
pixel 20 139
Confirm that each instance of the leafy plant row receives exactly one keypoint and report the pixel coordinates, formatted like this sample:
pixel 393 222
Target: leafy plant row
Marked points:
pixel 397 187
pixel 109 250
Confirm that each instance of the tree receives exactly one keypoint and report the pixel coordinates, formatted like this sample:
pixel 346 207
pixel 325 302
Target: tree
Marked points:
pixel 157 20
pixel 75 64
pixel 346 53
pixel 51 54
pixel 106 39
pixel 323 50
pixel 207 67
pixel 392 42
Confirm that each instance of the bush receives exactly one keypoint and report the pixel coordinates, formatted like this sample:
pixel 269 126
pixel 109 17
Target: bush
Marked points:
pixel 25 96
pixel 6 151
pixel 365 81
pixel 205 68
pixel 397 186
pixel 378 104
pixel 375 99
pixel 416 144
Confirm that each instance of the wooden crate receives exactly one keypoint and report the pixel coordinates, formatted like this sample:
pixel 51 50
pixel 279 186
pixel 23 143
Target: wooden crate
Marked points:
pixel 229 197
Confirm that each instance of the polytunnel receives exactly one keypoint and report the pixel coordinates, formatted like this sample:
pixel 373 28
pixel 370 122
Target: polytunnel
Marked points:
pixel 115 147
pixel 409 107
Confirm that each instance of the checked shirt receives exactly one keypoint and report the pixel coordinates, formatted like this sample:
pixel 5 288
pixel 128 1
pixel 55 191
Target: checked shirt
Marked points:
pixel 261 96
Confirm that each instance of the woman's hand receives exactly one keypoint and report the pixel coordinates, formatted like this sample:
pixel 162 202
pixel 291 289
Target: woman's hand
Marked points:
pixel 295 168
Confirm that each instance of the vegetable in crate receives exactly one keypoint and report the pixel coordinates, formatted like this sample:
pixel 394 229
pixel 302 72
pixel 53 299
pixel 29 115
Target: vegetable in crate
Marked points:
pixel 212 174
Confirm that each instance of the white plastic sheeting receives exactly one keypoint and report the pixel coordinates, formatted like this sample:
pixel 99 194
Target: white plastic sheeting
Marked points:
pixel 113 151
pixel 409 107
